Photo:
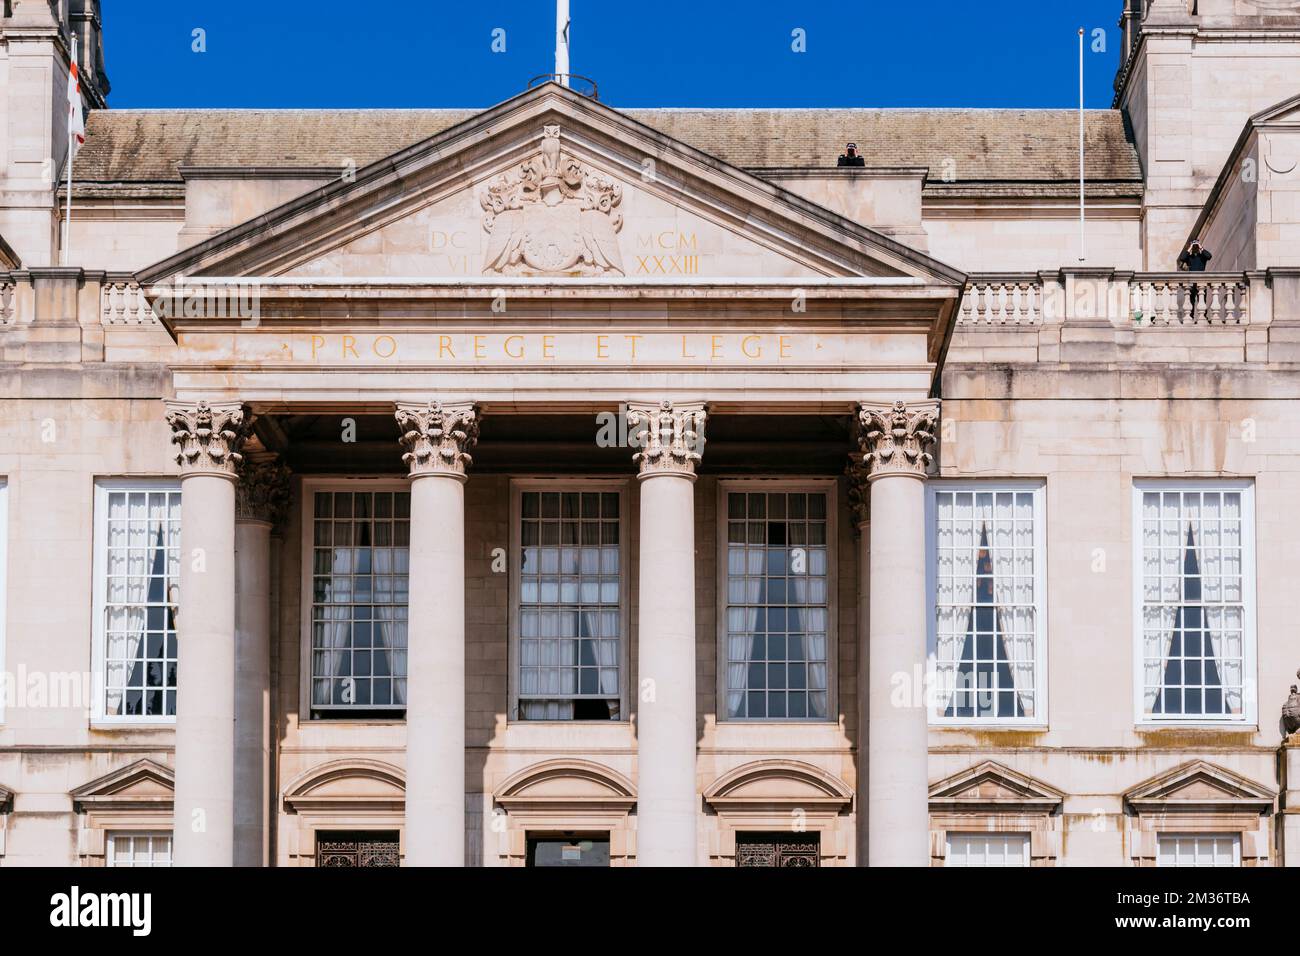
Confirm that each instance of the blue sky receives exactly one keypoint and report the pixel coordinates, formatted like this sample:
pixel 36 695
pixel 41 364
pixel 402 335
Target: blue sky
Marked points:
pixel 429 53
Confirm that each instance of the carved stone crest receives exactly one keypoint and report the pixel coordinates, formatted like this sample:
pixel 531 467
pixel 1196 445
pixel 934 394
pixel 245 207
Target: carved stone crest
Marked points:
pixel 1291 710
pixel 552 215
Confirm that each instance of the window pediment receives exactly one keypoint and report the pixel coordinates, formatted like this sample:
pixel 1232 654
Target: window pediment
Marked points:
pixel 560 783
pixel 1200 786
pixel 347 785
pixel 137 786
pixel 783 783
pixel 991 786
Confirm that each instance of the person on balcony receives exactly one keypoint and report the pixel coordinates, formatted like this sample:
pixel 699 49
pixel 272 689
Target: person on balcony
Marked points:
pixel 1195 257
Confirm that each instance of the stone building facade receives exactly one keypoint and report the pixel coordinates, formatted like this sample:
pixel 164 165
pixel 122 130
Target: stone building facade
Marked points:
pixel 561 484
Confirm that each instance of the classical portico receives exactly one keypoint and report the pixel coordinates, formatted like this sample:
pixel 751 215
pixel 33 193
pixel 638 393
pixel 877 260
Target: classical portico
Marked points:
pixel 789 347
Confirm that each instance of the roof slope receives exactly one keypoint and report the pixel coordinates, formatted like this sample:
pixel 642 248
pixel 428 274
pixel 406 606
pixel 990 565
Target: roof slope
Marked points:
pixel 985 146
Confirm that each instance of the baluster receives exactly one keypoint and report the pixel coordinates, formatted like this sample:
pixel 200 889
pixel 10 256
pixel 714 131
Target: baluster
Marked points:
pixel 1215 312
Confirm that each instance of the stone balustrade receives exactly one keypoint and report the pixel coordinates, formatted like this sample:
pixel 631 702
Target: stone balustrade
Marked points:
pixel 6 301
pixel 1187 298
pixel 1001 301
pixel 1126 299
pixel 123 302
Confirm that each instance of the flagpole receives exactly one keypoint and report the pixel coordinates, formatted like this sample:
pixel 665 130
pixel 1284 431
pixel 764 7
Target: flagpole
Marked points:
pixel 562 41
pixel 67 228
pixel 1083 209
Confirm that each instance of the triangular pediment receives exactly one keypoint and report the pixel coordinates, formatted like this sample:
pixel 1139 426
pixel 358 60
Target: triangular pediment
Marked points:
pixel 990 784
pixel 143 782
pixel 551 184
pixel 1199 785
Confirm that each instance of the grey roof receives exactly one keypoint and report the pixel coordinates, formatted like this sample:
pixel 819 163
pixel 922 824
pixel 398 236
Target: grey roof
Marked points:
pixel 984 146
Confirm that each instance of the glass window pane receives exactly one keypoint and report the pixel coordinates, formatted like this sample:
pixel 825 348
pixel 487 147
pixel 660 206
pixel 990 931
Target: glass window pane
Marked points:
pixel 1193 587
pixel 570 587
pixel 985 604
pixel 362 585
pixel 777 605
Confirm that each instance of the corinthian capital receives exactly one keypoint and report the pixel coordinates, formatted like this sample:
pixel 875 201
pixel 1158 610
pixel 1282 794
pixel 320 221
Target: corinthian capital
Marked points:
pixel 438 437
pixel 896 439
pixel 670 437
pixel 263 490
pixel 209 436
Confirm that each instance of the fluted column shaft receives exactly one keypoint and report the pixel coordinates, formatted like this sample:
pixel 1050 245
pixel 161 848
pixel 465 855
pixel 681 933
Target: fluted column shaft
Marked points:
pixel 895 442
pixel 670 439
pixel 437 438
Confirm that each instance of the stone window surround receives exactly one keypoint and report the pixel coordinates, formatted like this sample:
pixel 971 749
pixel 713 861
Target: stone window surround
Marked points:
pixel 593 799
pixel 627 538
pixel 778 796
pixel 1250 640
pixel 306 503
pixel 372 798
pixel 1035 809
pixel 98 653
pixel 779 483
pixel 106 804
pixel 1041 690
pixel 1152 808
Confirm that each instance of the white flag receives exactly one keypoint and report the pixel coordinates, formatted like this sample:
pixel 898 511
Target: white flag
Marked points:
pixel 76 118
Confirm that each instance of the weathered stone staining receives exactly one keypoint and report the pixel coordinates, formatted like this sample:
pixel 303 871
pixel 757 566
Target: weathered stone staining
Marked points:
pixel 914 539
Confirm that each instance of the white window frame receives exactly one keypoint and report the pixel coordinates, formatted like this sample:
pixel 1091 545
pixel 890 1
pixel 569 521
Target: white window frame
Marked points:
pixel 1041 690
pixel 561 484
pixel 306 515
pixel 829 487
pixel 1249 637
pixel 1235 839
pixel 956 836
pixel 110 846
pixel 99 568
pixel 4 586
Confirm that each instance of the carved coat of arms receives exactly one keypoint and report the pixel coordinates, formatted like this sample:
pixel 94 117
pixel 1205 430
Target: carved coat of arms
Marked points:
pixel 552 215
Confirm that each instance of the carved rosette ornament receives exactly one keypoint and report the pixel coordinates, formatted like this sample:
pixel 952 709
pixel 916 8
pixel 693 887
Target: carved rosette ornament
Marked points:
pixel 896 439
pixel 670 437
pixel 263 490
pixel 1291 710
pixel 209 436
pixel 438 437
pixel 552 215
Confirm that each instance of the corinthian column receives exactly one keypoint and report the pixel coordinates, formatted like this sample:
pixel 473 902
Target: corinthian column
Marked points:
pixel 261 500
pixel 209 437
pixel 670 438
pixel 895 441
pixel 437 439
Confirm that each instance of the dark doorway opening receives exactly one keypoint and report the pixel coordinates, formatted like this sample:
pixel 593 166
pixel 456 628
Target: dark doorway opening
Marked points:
pixel 569 850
